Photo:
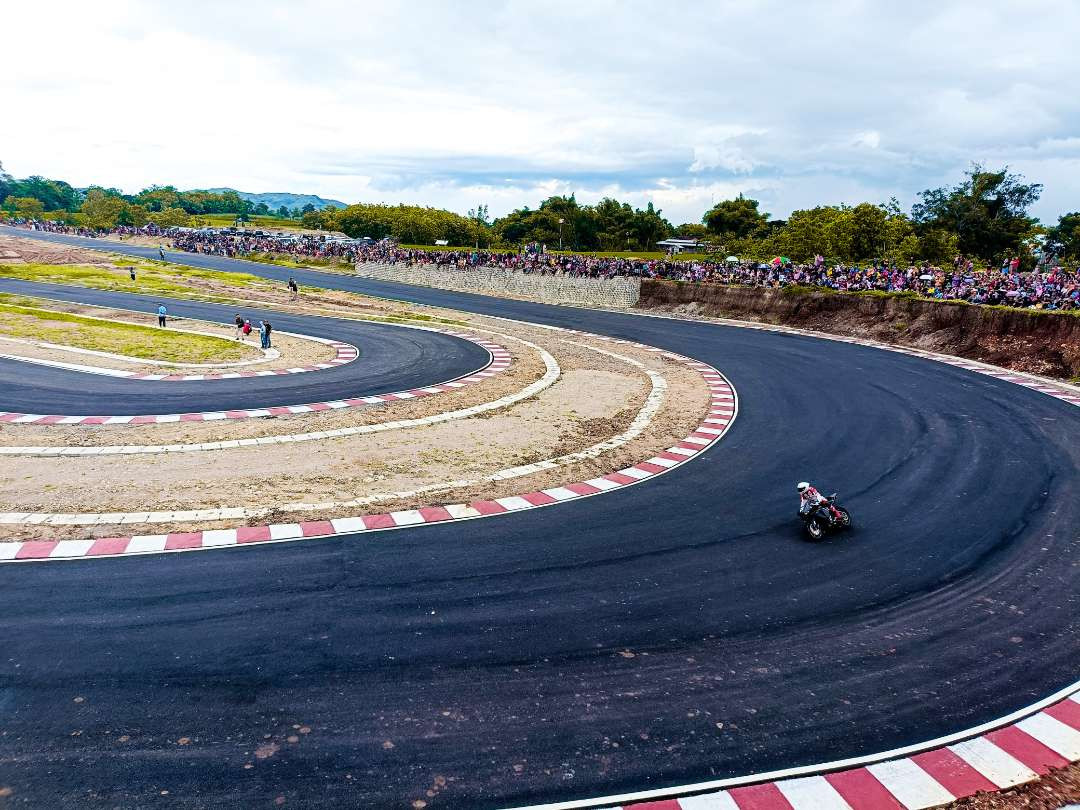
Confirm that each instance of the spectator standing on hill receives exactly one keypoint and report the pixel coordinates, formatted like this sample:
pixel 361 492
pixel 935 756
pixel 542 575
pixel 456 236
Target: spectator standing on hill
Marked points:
pixel 161 311
pixel 264 333
pixel 161 251
pixel 239 326
pixel 294 291
pixel 131 272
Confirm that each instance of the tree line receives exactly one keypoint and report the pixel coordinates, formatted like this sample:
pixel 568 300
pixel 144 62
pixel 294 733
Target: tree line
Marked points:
pixel 985 216
pixel 103 208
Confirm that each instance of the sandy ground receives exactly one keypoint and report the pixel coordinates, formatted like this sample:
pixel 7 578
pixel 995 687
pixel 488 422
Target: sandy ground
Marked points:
pixel 15 250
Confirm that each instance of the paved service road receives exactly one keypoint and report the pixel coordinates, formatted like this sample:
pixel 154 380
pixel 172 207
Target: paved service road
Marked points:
pixel 675 631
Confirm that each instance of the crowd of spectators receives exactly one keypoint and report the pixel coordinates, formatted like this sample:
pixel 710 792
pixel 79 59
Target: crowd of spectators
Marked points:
pixel 1051 286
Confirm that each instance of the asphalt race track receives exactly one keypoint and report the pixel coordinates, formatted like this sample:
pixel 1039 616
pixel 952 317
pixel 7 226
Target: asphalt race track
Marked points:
pixel 391 359
pixel 676 631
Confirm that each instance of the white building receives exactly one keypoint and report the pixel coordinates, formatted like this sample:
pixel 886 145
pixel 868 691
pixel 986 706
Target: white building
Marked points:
pixel 681 245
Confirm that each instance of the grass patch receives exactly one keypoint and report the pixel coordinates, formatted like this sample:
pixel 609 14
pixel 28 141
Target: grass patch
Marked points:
pixel 131 340
pixel 151 277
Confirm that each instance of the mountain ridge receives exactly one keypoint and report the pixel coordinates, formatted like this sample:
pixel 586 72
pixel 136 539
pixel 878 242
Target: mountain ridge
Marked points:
pixel 276 199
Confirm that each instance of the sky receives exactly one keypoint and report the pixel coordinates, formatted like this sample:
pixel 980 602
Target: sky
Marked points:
pixel 506 103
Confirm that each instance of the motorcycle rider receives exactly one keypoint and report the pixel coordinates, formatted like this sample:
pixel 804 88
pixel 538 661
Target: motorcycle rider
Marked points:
pixel 808 494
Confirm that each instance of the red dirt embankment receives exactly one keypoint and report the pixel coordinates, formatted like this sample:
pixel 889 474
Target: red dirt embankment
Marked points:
pixel 1023 340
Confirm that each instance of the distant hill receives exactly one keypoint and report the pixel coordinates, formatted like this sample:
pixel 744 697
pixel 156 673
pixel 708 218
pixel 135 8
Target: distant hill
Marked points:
pixel 275 199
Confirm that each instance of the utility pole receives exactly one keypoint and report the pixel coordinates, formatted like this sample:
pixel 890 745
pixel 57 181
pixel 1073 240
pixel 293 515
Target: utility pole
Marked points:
pixel 561 221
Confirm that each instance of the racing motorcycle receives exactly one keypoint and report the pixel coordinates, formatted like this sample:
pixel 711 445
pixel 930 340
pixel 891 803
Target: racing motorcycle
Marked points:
pixel 819 520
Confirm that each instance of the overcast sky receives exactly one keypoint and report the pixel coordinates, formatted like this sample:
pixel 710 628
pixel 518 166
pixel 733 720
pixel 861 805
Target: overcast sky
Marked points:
pixel 505 103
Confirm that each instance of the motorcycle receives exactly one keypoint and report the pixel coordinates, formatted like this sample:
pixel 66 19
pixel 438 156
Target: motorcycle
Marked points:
pixel 819 520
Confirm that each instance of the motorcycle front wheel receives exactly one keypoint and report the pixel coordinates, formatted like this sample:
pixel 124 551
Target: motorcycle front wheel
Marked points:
pixel 845 517
pixel 815 529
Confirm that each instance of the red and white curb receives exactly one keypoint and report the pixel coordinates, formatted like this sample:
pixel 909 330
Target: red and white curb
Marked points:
pixel 1007 752
pixel 722 413
pixel 499 360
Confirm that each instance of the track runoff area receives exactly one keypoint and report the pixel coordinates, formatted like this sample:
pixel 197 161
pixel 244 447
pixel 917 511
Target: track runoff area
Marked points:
pixel 668 641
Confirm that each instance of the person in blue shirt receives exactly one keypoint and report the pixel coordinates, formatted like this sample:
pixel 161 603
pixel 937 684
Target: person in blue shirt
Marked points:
pixel 161 315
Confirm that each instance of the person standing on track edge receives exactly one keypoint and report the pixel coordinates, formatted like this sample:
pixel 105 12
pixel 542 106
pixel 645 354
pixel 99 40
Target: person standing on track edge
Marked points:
pixel 294 291
pixel 161 251
pixel 161 311
pixel 264 333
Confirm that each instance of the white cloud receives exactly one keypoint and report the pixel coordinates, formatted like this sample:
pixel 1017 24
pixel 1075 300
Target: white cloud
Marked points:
pixel 447 105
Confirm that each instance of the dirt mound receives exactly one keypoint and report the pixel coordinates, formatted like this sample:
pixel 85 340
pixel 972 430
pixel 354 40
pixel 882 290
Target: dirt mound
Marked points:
pixel 14 250
pixel 1024 340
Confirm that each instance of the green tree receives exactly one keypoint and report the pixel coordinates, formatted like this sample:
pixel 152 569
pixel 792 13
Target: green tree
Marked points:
pixel 26 207
pixel 735 218
pixel 1064 238
pixel 283 211
pixel 987 212
pixel 173 217
pixel 692 230
pixel 102 210
pixel 136 215
pixel 7 184
pixel 938 245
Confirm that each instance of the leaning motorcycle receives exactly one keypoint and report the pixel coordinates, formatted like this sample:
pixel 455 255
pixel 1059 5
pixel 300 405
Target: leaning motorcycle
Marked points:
pixel 819 520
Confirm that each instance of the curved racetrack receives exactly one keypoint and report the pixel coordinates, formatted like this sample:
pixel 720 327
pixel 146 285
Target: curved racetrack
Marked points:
pixel 672 632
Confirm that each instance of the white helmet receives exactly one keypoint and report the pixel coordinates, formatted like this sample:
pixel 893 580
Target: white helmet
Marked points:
pixel 802 486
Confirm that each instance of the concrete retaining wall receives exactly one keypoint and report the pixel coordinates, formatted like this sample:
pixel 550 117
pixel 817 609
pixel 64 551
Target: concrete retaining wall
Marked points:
pixel 620 292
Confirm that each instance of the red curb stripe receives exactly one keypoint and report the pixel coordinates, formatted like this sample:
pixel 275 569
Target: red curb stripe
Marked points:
pixel 862 790
pixel 35 549
pixel 488 507
pixel 760 797
pixel 252 534
pixel 619 478
pixel 663 804
pixel 538 498
pixel 1027 749
pixel 1067 712
pixel 108 545
pixel 649 467
pixel 433 514
pixel 378 521
pixel 180 540
pixel 955 775
pixel 583 488
pixel 315 528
